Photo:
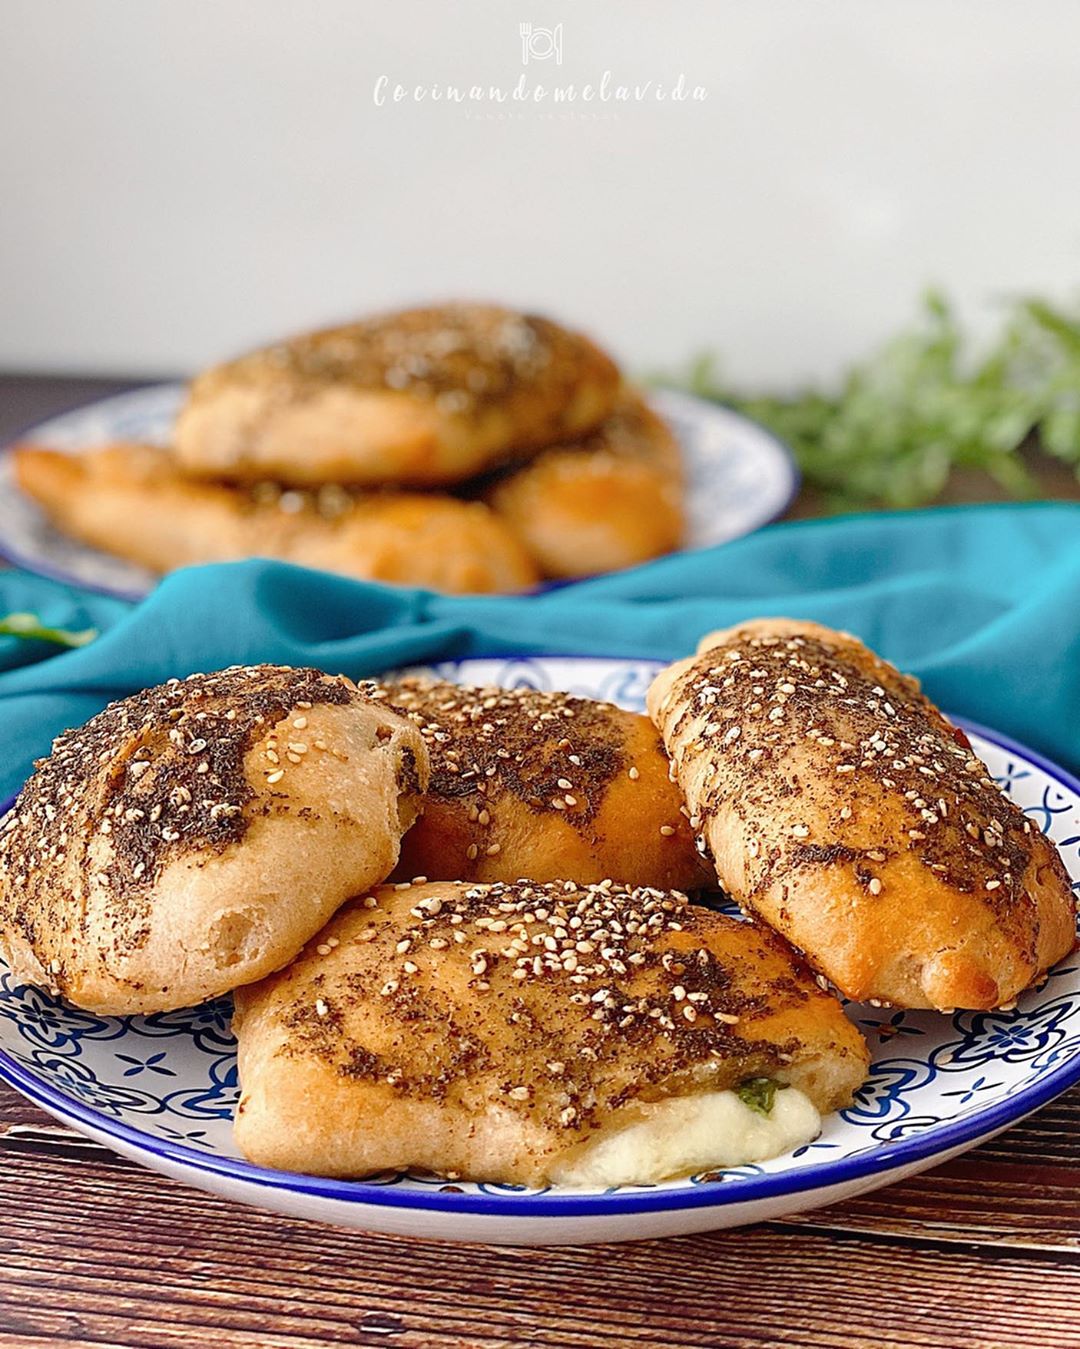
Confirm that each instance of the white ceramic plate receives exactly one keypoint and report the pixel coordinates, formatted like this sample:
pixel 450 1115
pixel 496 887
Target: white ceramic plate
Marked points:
pixel 739 478
pixel 160 1089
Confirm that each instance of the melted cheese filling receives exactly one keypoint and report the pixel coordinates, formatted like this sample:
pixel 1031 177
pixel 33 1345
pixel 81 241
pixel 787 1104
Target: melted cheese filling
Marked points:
pixel 692 1133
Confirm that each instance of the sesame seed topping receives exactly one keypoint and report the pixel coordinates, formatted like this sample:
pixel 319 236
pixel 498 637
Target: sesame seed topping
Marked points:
pixel 651 975
pixel 552 751
pixel 849 714
pixel 158 775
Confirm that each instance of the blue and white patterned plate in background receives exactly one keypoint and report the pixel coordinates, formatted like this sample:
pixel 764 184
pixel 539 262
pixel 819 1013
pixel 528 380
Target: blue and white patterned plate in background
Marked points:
pixel 739 478
pixel 161 1089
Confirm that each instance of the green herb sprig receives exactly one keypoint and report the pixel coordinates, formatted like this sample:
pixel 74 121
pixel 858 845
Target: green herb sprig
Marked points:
pixel 925 405
pixel 29 626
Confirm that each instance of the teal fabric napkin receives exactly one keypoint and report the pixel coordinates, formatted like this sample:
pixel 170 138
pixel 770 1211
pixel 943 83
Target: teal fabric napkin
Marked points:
pixel 981 603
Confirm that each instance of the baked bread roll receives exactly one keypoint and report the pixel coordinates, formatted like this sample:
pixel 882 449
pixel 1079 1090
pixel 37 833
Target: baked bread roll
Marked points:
pixel 839 804
pixel 131 501
pixel 543 785
pixel 423 396
pixel 609 501
pixel 192 837
pixel 527 1034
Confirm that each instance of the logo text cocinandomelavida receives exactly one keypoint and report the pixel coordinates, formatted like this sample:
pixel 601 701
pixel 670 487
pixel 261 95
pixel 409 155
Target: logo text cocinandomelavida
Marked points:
pixel 605 90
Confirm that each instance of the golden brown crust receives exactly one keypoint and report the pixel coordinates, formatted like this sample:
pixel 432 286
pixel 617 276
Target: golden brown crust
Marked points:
pixel 839 804
pixel 542 785
pixel 423 396
pixel 487 1031
pixel 131 501
pixel 611 500
pixel 176 845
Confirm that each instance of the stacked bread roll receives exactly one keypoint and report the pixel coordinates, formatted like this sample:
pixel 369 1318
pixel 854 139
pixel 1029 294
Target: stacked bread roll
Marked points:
pixel 467 448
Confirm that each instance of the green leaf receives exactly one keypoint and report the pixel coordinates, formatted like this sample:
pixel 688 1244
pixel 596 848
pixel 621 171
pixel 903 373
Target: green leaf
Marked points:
pixel 1058 325
pixel 30 626
pixel 927 404
pixel 759 1093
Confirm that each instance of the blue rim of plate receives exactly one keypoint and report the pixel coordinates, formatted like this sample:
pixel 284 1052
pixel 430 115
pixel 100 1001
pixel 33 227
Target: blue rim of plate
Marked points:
pixel 627 1201
pixel 781 444
pixel 12 555
pixel 14 558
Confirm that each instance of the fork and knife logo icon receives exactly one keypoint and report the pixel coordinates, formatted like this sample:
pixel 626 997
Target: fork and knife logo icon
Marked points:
pixel 541 44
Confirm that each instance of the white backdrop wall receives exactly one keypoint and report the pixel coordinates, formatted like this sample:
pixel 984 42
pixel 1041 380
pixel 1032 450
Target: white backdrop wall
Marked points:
pixel 182 178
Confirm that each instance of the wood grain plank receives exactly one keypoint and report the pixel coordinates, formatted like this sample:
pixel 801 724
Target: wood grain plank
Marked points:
pixel 27 399
pixel 967 1203
pixel 151 1263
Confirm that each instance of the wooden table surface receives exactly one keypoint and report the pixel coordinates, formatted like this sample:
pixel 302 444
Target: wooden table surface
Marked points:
pixel 982 1253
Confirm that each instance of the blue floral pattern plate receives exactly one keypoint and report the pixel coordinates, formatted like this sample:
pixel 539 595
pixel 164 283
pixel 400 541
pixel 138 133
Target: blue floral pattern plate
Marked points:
pixel 739 478
pixel 161 1089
